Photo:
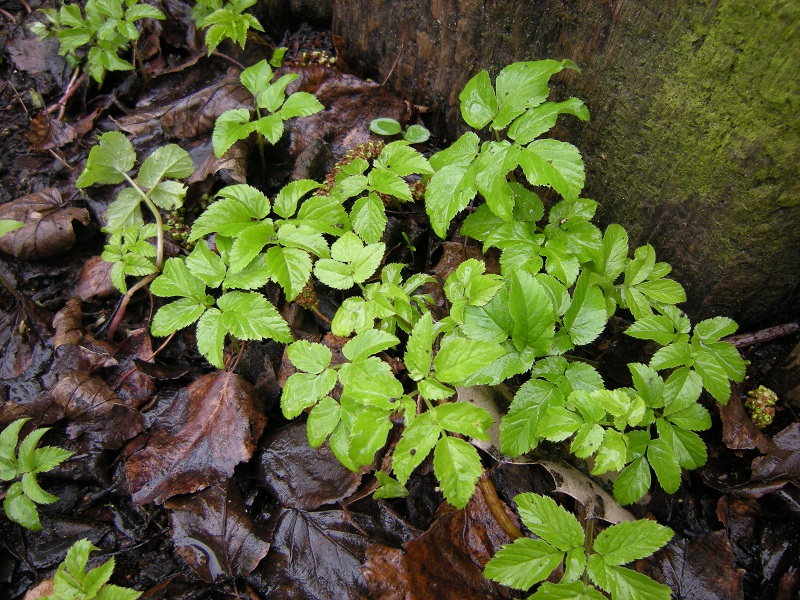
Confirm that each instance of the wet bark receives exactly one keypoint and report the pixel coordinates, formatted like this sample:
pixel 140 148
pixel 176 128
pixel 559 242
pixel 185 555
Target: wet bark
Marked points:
pixel 692 143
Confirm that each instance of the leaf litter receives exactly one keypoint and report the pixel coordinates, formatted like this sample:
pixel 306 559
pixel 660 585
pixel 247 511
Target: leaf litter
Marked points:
pixel 173 475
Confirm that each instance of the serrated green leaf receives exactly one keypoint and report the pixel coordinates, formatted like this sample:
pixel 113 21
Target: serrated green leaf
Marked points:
pixel 586 317
pixel 688 447
pixel 549 521
pixel 286 201
pixel 303 390
pixel 554 163
pixel 108 161
pixel 385 126
pixel 626 583
pixel 458 358
pixel 418 440
pixel 532 312
pixel 177 280
pixel 48 457
pixel 20 509
pixel 300 104
pixel 663 290
pixel 125 211
pixel 658 328
pixel 368 343
pixel 478 101
pixel 633 481
pixel 728 358
pixel 434 390
pixel 518 428
pixel 711 330
pixel 322 420
pixel 211 334
pixel 310 357
pixel 250 316
pixel 611 454
pixel 402 160
pixel 453 185
pixel 255 275
pixel 290 268
pixel 389 487
pixel 587 440
pixel 176 315
pixel 34 491
pixel 566 591
pixel 115 592
pixel 334 274
pixel 27 458
pixel 541 119
pixel 384 181
pixel 561 262
pixel 371 382
pixel 665 464
pixel 8 442
pixel 230 127
pixel 457 466
pixel 170 161
pixel 168 195
pixel 419 348
pixel 271 127
pixel 369 432
pixel 558 424
pixel 613 254
pixel 256 77
pixel 274 94
pixel 524 563
pixel 368 217
pixel 464 418
pixel 97 577
pixel 630 541
pixel 674 355
pixel 715 379
pixel 206 265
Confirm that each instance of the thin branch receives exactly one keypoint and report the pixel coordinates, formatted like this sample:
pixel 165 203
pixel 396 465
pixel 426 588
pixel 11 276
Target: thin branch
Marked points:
pixel 400 53
pixel 765 335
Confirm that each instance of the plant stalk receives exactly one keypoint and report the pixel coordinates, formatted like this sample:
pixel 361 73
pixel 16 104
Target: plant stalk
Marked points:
pixel 157 217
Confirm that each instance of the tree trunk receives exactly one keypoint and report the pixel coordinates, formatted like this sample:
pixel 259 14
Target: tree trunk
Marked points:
pixel 695 119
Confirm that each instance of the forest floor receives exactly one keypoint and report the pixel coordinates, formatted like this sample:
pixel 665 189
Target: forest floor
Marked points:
pixel 291 522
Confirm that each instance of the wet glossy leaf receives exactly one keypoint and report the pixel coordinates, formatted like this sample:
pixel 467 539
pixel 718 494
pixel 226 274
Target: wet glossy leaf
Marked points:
pixel 211 426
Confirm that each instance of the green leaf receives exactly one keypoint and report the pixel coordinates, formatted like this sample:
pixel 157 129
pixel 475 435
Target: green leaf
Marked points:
pixel 34 491
pixel 389 487
pixel 523 85
pixel 257 77
pixel 524 563
pixel 385 126
pixel 9 225
pixel 403 160
pixel 322 420
pixel 370 430
pixel 558 424
pixel 371 382
pixel 711 330
pixel 457 467
pixel 728 357
pixel 434 390
pixel 97 578
pixel 47 458
pixel 286 201
pixel 304 237
pixel 418 440
pixel 274 94
pixel 518 428
pixel 663 290
pixel 27 457
pixel 586 317
pixel 230 127
pixel 300 104
pixel 368 217
pixel 303 390
pixel 115 592
pixel 611 454
pixel 419 348
pixel 416 134
pixel 168 195
pixel 715 379
pixel 206 265
pixel 170 161
pixel 532 312
pixel 108 161
pixel 176 315
pixel 674 355
pixel 464 418
pixel 368 343
pixel 613 254
pixel 458 358
pixel 665 464
pixel 541 119
pixel 630 541
pixel 384 181
pixel 250 316
pixel 658 328
pixel 625 583
pixel 143 11
pixel 290 268
pixel 309 356
pixel 453 185
pixel 177 280
pixel 20 509
pixel 576 590
pixel 211 334
pixel 687 446
pixel 554 163
pixel 633 481
pixel 549 521
pixel 478 101
pixel 8 443
pixel 271 127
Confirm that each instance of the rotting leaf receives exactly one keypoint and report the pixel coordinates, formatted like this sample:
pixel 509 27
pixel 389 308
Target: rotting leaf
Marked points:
pixel 214 534
pixel 319 554
pixel 738 430
pixel 446 562
pixel 211 426
pixel 95 280
pixel 233 162
pixel 300 476
pixel 783 461
pixel 48 225
pixel 703 567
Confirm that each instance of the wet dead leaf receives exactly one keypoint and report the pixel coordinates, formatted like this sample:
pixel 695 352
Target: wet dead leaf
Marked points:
pixel 738 431
pixel 446 562
pixel 68 324
pixel 210 427
pixel 214 534
pixel 300 476
pixel 29 53
pixel 95 280
pixel 48 225
pixel 703 567
pixel 233 163
pixel 319 554
pixel 783 461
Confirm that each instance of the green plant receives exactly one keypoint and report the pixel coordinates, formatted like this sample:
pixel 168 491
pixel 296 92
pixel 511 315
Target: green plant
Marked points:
pixel 414 134
pixel 128 249
pixel 224 20
pixel 9 225
pixel 73 581
pixel 234 125
pixel 23 496
pixel 109 27
pixel 561 280
pixel 589 563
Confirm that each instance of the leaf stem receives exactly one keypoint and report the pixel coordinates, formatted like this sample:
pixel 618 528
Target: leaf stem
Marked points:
pixel 156 216
pixel 112 328
pixel 260 140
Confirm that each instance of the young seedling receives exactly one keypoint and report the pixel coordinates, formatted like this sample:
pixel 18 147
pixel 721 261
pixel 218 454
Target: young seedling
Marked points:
pixel 23 496
pixel 110 163
pixel 588 563
pixel 224 20
pixel 108 28
pixel 73 581
pixel 414 134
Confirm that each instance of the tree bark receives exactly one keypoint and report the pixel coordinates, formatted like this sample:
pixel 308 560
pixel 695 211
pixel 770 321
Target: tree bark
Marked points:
pixel 695 119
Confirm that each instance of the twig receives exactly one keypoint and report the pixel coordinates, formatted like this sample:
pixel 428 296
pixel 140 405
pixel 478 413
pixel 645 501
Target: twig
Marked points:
pixel 764 335
pixel 16 93
pixel 229 59
pixel 59 159
pixel 8 15
pixel 496 507
pixel 400 53
pixel 112 328
pixel 74 83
